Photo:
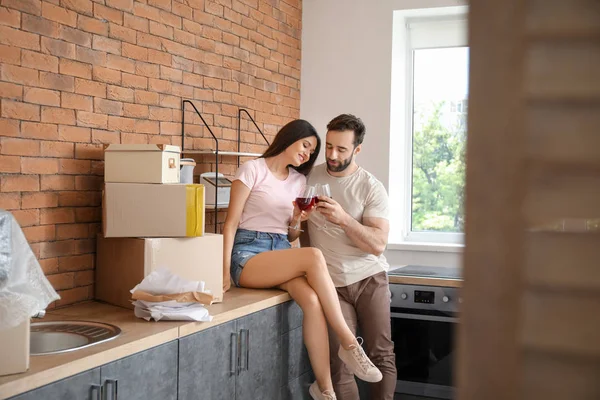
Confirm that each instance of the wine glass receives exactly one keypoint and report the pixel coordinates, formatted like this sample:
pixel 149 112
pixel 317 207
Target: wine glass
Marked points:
pixel 322 190
pixel 304 201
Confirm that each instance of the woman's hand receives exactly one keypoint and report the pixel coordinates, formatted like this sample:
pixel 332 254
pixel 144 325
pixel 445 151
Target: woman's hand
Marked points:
pixel 299 215
pixel 226 283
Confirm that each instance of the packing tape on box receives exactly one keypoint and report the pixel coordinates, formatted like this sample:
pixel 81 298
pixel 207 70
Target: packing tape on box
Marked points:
pixel 194 195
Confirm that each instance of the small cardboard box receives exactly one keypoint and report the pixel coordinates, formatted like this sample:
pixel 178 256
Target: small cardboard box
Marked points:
pixel 122 263
pixel 14 347
pixel 142 163
pixel 150 210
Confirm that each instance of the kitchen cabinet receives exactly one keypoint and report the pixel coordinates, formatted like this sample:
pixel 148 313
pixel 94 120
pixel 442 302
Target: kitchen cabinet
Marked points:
pixel 296 370
pixel 79 387
pixel 208 363
pixel 148 375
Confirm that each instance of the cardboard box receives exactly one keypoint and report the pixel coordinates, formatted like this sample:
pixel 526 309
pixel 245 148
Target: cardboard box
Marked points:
pixel 142 163
pixel 14 347
pixel 122 263
pixel 150 210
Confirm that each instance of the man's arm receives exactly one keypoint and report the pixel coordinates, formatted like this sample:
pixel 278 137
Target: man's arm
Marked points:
pixel 371 236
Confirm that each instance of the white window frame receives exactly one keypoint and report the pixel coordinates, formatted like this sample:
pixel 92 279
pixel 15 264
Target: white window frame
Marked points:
pixel 455 15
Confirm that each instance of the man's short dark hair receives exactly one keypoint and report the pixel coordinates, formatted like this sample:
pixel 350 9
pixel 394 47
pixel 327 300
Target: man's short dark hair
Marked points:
pixel 348 122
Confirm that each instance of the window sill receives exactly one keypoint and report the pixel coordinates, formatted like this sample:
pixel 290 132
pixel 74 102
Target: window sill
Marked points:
pixel 430 247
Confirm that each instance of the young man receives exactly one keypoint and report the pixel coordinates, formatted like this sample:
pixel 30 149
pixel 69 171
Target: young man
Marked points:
pixel 351 229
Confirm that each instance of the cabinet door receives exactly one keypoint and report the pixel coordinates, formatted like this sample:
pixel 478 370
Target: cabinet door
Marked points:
pixel 295 361
pixel 208 364
pixel 260 355
pixel 148 375
pixel 78 387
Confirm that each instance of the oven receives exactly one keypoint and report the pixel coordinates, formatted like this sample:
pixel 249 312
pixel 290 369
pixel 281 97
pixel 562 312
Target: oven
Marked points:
pixel 423 330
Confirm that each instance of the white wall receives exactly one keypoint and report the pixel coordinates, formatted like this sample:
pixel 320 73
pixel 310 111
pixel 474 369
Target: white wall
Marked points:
pixel 347 68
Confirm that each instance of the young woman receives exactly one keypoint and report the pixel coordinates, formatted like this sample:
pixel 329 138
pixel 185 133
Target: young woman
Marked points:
pixel 261 222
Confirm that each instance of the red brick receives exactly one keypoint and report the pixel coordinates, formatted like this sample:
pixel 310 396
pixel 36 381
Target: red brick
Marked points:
pixel 149 41
pixel 105 44
pixel 50 80
pixel 92 120
pixel 58 116
pixel 49 265
pixel 134 138
pixel 134 81
pixel 160 57
pixel 92 25
pixel 29 6
pixel 57 249
pixel 25 76
pixel 102 136
pixel 122 33
pixel 57 182
pixel 182 10
pixel 89 183
pixel 75 68
pixel 135 52
pixel 90 56
pixel 21 147
pixel 96 89
pixel 108 14
pixel 42 96
pixel 135 110
pixel 75 295
pixel 145 97
pixel 164 4
pixel 72 231
pixel 170 101
pixel 27 218
pixel 39 131
pixel 161 114
pixel 39 61
pixel 11 91
pixel 75 36
pixel 10 164
pixel 121 124
pixel 160 86
pixel 10 55
pixel 147 69
pixel 57 149
pixel 79 199
pixel 10 17
pixel 145 11
pixel 158 29
pixel 40 25
pixel 170 19
pixel 10 201
pixel 39 200
pixel 120 93
pixel 13 37
pixel 91 214
pixel 20 183
pixel 74 167
pixel 120 63
pixel 83 278
pixel 76 263
pixel 81 6
pixel 74 134
pixel 137 23
pixel 103 106
pixel 44 166
pixel 102 74
pixel 170 74
pixel 59 14
pixel 58 48
pixel 150 127
pixel 77 102
pixel 18 110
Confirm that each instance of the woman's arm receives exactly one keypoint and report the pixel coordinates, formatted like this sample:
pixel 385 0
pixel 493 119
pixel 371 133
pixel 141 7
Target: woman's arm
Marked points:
pixel 237 200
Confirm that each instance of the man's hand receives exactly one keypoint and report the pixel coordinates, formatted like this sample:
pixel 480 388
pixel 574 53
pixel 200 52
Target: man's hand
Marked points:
pixel 333 211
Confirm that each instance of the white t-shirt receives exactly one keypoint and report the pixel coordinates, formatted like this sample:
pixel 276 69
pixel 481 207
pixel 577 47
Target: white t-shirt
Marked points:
pixel 360 195
pixel 269 207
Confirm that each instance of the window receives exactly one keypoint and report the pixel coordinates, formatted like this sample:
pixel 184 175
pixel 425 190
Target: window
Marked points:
pixel 434 131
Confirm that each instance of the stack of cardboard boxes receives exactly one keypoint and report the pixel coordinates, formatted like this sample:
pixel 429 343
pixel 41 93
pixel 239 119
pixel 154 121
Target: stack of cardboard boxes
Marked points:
pixel 150 220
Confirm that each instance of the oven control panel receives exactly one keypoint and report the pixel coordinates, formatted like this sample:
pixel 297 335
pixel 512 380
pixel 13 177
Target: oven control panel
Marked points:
pixel 424 297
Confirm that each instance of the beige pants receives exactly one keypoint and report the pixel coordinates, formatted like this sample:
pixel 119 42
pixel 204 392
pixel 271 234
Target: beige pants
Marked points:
pixel 366 304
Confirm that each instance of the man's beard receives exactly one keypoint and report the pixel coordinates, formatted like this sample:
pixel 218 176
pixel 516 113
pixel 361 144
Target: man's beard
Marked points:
pixel 341 167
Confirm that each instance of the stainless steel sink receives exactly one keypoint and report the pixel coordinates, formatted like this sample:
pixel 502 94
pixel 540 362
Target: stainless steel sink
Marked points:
pixel 62 336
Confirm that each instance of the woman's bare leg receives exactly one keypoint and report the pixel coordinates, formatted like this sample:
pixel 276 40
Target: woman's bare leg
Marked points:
pixel 272 268
pixel 314 329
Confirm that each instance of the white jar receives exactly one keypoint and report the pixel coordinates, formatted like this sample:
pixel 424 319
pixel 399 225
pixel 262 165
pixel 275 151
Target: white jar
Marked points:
pixel 187 170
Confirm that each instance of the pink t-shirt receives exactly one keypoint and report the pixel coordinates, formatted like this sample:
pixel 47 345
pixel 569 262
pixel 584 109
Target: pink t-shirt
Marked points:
pixel 269 207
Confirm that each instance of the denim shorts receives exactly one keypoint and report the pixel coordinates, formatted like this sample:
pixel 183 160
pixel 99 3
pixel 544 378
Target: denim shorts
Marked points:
pixel 247 244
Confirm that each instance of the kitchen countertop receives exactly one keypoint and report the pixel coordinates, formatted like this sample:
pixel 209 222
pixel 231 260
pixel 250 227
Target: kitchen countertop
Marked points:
pixel 136 335
pixel 423 280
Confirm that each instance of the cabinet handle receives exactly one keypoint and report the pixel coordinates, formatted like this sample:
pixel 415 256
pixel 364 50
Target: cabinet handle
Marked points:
pixel 115 389
pixel 246 333
pixel 97 390
pixel 234 354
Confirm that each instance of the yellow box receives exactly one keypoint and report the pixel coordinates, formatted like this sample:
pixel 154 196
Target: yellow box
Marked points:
pixel 153 210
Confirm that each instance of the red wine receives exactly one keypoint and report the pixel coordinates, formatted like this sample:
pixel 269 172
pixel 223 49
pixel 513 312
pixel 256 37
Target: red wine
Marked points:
pixel 304 203
pixel 316 199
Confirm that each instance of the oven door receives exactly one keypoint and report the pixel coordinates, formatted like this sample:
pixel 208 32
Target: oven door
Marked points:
pixel 424 347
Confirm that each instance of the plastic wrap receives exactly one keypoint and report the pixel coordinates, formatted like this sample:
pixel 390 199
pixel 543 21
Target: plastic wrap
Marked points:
pixel 24 289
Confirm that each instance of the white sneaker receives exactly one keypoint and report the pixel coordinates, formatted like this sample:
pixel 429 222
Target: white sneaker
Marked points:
pixel 359 364
pixel 316 393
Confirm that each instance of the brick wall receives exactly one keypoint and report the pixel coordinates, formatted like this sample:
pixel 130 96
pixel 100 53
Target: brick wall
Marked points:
pixel 75 74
